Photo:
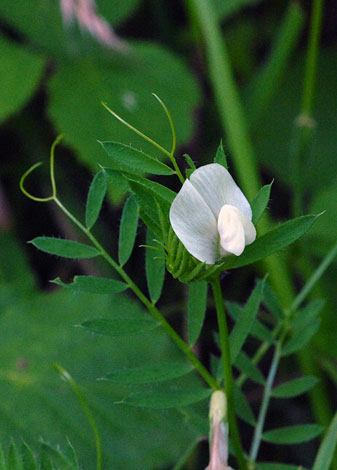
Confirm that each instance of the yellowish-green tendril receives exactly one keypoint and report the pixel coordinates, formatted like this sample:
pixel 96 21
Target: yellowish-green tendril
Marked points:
pixel 52 176
pixel 25 192
pixel 169 117
pixel 148 139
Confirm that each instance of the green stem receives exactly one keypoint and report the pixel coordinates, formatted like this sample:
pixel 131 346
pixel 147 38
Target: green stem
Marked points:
pixel 236 127
pixel 227 365
pixel 185 348
pixel 265 402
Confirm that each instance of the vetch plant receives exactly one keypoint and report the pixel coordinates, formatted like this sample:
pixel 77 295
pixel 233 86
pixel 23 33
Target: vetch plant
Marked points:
pixel 205 229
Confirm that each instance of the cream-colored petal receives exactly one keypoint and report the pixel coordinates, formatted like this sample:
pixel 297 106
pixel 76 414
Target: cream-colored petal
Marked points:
pixel 232 235
pixel 194 224
pixel 216 186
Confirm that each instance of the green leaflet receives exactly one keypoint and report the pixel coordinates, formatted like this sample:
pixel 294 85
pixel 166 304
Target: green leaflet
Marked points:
pixel 127 230
pixel 327 448
pixel 272 241
pixel 242 407
pixel 64 248
pixel 95 199
pixel 301 337
pixel 196 308
pixel 155 267
pixel 220 156
pixel 277 466
pixel 247 367
pixel 119 326
pixel 294 387
pixel 93 285
pixel 305 315
pixel 292 434
pixel 28 459
pixel 168 397
pixel 14 458
pixel 245 321
pixel 149 373
pixel 126 158
pixel 260 202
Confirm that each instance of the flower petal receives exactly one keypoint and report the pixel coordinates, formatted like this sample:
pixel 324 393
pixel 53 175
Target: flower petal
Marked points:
pixel 235 229
pixel 216 186
pixel 194 224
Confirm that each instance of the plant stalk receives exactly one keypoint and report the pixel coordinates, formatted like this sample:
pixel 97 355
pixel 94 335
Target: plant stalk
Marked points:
pixel 228 376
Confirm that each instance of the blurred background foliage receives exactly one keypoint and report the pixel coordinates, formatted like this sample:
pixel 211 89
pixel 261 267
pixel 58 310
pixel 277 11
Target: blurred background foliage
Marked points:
pixel 53 79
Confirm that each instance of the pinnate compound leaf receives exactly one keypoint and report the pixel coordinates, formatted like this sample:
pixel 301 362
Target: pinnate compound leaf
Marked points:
pixel 119 326
pixel 245 322
pixel 167 397
pixel 327 448
pixel 292 434
pixel 300 338
pixel 150 373
pixel 272 241
pixel 94 285
pixel 295 387
pixel 260 202
pixel 95 199
pixel 155 267
pixel 126 158
pixel 220 156
pixel 64 248
pixel 196 307
pixel 127 230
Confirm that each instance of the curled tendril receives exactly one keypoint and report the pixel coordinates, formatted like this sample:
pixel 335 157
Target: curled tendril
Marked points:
pixel 52 176
pixel 169 117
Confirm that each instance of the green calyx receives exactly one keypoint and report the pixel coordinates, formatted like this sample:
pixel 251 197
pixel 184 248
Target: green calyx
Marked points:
pixel 183 266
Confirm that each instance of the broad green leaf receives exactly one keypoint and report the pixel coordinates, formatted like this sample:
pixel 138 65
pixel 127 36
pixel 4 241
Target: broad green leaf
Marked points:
pixel 196 310
pixel 154 266
pixel 28 459
pixel 272 241
pixel 271 301
pixel 292 434
pixel 17 88
pixel 149 373
pixel 125 157
pixel 327 448
pixel 220 156
pixel 117 180
pixel 94 285
pixel 294 387
pixel 14 457
pixel 168 397
pixel 242 407
pixel 245 322
pixel 304 316
pixel 277 466
pixel 300 338
pixel 119 326
pixel 96 196
pixel 74 104
pixel 127 230
pixel 247 367
pixel 260 202
pixel 159 192
pixel 258 330
pixel 34 402
pixel 64 248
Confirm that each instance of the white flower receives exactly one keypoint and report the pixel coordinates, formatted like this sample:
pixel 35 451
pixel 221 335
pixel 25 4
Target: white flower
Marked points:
pixel 211 216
